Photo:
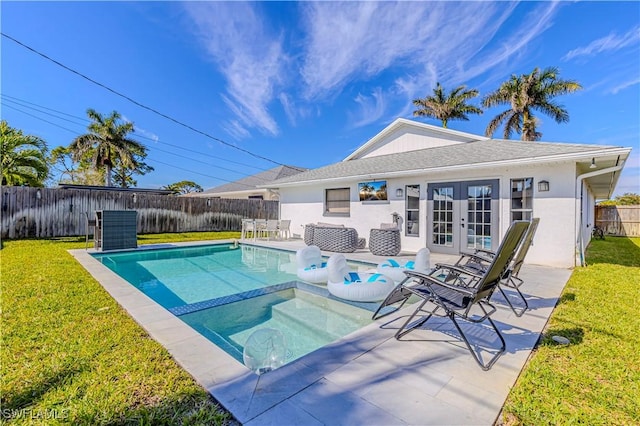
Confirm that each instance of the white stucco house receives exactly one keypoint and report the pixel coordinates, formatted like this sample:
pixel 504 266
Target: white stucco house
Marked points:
pixel 454 191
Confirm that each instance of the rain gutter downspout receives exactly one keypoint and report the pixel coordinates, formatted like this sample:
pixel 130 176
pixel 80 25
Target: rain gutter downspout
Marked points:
pixel 578 209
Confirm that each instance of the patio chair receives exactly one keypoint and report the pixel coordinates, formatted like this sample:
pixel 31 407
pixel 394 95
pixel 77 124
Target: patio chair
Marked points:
pixel 480 259
pixel 457 291
pixel 248 225
pixel 270 229
pixel 283 229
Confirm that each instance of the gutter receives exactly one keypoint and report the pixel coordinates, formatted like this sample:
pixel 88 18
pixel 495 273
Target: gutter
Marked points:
pixel 578 208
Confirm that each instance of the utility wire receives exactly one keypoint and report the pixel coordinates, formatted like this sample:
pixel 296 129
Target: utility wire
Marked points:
pixel 155 161
pixel 22 102
pixel 140 104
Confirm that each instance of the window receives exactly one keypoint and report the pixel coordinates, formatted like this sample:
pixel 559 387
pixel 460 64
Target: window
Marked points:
pixel 255 197
pixel 412 210
pixel 522 199
pixel 337 202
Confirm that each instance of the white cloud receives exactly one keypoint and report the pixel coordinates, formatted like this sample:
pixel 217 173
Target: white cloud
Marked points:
pixel 625 85
pixel 250 58
pixel 612 42
pixel 415 44
pixel 371 108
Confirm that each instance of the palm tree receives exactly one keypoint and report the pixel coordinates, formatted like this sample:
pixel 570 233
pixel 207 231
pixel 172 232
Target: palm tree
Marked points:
pixel 443 107
pixel 107 140
pixel 525 94
pixel 24 157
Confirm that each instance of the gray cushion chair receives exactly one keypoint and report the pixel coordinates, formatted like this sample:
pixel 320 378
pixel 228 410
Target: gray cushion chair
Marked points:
pixel 333 238
pixel 384 242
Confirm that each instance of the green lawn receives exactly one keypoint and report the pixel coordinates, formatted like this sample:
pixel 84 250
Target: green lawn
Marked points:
pixel 70 352
pixel 596 378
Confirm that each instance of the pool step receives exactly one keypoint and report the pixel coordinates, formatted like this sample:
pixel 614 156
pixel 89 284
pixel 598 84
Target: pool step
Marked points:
pixel 322 317
pixel 299 341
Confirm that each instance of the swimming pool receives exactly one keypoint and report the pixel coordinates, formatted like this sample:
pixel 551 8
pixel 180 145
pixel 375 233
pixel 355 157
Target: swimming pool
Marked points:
pixel 227 295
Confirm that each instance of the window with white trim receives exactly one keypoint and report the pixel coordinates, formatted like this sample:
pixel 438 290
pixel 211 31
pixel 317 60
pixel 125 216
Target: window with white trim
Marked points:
pixel 522 199
pixel 337 202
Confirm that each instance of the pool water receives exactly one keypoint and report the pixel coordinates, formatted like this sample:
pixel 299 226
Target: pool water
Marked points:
pixel 306 320
pixel 228 294
pixel 176 277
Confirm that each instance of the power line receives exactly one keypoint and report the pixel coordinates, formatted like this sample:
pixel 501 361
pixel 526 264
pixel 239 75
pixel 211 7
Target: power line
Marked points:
pixel 138 103
pixel 35 107
pixel 155 161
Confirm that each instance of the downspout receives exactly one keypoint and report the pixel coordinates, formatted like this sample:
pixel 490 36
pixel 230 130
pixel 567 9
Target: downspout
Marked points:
pixel 578 209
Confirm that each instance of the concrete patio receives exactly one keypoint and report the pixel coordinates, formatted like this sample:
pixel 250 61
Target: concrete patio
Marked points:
pixel 367 377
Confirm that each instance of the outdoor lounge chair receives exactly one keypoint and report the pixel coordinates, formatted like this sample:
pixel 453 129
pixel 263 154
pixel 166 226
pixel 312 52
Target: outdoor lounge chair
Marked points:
pixel 455 291
pixel 481 259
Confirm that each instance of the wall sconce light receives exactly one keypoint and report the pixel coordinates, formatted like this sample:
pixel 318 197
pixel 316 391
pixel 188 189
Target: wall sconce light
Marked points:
pixel 135 198
pixel 208 202
pixel 38 194
pixel 399 192
pixel 395 216
pixel 593 163
pixel 543 186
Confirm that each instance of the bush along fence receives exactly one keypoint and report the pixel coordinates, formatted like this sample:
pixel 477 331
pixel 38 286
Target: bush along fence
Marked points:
pixel 619 220
pixel 55 212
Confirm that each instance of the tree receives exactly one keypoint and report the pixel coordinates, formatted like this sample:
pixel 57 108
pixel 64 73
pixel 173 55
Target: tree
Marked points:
pixel 443 107
pixel 67 170
pixel 527 93
pixel 184 187
pixel 24 157
pixel 107 141
pixel 627 199
pixel 123 176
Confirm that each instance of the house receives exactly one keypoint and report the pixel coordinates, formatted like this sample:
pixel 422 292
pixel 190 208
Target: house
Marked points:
pixel 453 191
pixel 248 187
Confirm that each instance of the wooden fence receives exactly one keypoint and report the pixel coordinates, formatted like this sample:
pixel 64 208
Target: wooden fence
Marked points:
pixel 51 212
pixel 619 220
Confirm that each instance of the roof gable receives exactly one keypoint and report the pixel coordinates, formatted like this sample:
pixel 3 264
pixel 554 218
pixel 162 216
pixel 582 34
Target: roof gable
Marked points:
pixel 406 135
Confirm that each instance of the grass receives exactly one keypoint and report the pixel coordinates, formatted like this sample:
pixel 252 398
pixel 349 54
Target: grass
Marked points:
pixel 70 354
pixel 596 378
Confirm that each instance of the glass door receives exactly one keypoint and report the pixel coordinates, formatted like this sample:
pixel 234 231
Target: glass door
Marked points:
pixel 462 216
pixel 477 229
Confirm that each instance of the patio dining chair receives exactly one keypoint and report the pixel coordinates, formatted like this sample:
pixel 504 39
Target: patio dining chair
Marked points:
pixel 480 260
pixel 248 225
pixel 454 293
pixel 270 229
pixel 283 229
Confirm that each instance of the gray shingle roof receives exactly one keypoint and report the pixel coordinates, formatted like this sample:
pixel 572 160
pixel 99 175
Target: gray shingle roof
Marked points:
pixel 252 182
pixel 471 153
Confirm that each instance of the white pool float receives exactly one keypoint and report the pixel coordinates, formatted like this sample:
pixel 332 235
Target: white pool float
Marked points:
pixel 356 286
pixel 310 265
pixel 395 269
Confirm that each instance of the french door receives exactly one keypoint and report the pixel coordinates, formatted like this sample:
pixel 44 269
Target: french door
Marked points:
pixel 462 216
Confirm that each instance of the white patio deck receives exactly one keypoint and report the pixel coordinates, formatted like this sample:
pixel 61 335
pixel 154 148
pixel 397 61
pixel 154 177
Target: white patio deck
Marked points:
pixel 365 378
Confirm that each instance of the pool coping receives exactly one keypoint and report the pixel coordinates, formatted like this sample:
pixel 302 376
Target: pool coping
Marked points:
pixel 295 393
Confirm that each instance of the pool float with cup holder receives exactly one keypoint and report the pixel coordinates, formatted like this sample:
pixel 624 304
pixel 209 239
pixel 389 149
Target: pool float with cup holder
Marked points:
pixel 395 269
pixel 310 265
pixel 356 286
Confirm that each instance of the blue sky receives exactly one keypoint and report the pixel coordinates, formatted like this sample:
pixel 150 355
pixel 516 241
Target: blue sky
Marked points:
pixel 306 83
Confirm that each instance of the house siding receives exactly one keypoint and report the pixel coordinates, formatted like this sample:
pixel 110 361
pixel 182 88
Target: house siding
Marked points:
pixel 555 240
